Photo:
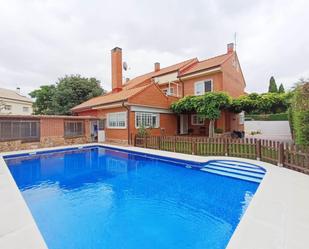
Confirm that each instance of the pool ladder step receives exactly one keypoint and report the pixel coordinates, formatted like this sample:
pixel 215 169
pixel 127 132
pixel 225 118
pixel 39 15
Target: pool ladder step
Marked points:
pixel 235 169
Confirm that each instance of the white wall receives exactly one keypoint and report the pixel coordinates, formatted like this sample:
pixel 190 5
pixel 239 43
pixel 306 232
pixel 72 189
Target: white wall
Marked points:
pixel 16 107
pixel 275 130
pixel 166 78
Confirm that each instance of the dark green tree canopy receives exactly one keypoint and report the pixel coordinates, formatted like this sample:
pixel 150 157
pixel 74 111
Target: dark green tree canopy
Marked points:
pixel 44 102
pixel 272 85
pixel 281 89
pixel 68 92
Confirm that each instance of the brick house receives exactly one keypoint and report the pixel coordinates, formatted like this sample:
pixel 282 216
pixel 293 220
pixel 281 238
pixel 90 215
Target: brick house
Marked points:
pixel 146 99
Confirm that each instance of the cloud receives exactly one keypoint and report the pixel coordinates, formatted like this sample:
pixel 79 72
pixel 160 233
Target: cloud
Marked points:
pixel 42 40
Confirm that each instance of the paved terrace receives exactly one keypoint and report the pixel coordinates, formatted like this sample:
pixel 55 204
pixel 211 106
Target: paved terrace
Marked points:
pixel 277 217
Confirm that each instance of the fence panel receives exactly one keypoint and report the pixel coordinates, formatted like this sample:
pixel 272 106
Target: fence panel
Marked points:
pixel 278 153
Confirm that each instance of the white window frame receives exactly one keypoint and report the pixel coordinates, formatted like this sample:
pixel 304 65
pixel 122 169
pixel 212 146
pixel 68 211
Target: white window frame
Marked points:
pixel 202 82
pixel 157 115
pixel 241 117
pixel 168 91
pixel 195 117
pixel 7 107
pixel 26 108
pixel 109 115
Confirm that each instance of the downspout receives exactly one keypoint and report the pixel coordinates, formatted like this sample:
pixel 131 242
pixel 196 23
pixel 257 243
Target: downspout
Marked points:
pixel 182 86
pixel 128 120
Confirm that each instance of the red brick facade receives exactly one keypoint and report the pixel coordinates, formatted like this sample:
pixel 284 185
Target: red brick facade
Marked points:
pixel 224 71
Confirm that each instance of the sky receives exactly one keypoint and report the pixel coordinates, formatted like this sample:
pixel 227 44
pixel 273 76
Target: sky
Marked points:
pixel 43 40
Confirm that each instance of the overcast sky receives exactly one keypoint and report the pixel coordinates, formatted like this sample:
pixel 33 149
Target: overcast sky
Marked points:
pixel 42 40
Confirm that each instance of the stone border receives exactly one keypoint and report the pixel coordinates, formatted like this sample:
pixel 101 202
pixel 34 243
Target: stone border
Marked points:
pixel 276 218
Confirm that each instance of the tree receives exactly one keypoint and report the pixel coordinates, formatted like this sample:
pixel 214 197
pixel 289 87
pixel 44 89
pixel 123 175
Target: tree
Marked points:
pixel 299 113
pixel 272 85
pixel 73 90
pixel 44 100
pixel 208 106
pixel 68 92
pixel 281 89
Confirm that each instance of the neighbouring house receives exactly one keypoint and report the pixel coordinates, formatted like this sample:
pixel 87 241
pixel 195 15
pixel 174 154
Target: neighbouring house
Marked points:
pixel 145 100
pixel 38 131
pixel 14 103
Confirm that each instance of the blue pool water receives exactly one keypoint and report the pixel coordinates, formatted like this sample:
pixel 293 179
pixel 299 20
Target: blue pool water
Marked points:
pixel 103 198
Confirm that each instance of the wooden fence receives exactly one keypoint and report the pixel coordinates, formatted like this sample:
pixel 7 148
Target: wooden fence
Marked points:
pixel 278 153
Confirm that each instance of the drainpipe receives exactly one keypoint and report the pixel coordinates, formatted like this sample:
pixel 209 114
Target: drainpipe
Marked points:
pixel 182 86
pixel 128 120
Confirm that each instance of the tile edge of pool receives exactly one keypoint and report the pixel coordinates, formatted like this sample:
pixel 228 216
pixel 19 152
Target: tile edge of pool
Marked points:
pixel 271 203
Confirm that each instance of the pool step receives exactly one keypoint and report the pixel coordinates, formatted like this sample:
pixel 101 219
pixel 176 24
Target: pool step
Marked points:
pixel 235 169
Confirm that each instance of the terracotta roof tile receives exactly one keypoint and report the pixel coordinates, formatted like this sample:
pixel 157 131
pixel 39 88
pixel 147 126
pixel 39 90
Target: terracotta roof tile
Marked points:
pixel 205 64
pixel 109 98
pixel 141 79
pixel 139 83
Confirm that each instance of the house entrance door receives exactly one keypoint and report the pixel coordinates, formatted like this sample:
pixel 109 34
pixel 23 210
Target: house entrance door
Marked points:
pixel 183 124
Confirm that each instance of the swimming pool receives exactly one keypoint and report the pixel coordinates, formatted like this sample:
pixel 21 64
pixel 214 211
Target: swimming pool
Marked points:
pixel 98 197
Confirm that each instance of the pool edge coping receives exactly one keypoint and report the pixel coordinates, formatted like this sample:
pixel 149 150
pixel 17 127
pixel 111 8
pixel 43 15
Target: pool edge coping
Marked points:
pixel 272 231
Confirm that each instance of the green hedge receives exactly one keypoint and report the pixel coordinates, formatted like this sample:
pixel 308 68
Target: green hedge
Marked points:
pixel 268 117
pixel 299 114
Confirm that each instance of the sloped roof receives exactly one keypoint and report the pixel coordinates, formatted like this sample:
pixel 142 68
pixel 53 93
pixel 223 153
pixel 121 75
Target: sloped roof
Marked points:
pixel 139 83
pixel 13 95
pixel 206 64
pixel 109 98
pixel 141 79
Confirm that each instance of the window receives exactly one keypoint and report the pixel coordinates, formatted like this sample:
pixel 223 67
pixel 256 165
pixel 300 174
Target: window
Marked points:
pixel 7 107
pixel 73 128
pixel 25 109
pixel 147 119
pixel 241 118
pixel 203 86
pixel 168 91
pixel 102 124
pixel 197 120
pixel 23 130
pixel 117 120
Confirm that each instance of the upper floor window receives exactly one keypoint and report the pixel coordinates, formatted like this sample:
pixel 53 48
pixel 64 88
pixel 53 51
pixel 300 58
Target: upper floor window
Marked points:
pixel 7 107
pixel 25 109
pixel 117 120
pixel 201 87
pixel 197 120
pixel 168 91
pixel 147 119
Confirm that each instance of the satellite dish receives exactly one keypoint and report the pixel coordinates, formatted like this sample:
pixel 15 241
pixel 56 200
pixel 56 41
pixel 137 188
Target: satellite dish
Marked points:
pixel 125 66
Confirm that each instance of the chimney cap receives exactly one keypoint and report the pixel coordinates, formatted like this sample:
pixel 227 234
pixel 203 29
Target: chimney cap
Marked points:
pixel 230 47
pixel 157 66
pixel 116 48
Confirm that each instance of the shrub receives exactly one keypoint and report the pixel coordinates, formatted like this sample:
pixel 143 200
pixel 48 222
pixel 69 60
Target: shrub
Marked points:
pixel 218 130
pixel 142 132
pixel 299 116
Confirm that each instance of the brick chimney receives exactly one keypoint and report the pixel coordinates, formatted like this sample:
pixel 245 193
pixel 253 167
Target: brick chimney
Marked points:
pixel 157 66
pixel 230 48
pixel 116 69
